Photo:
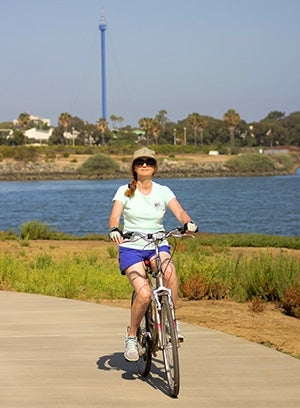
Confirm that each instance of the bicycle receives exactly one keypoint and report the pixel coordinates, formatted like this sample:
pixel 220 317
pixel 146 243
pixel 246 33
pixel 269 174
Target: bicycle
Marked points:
pixel 158 329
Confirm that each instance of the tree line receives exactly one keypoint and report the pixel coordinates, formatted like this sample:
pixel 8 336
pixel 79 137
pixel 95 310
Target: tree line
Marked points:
pixel 229 133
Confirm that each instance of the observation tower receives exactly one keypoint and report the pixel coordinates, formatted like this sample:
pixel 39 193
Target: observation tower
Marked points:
pixel 102 28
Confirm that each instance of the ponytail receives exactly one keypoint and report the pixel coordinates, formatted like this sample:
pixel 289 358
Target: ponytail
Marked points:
pixel 131 186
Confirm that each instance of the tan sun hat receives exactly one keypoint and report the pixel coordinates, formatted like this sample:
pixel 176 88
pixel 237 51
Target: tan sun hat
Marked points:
pixel 144 152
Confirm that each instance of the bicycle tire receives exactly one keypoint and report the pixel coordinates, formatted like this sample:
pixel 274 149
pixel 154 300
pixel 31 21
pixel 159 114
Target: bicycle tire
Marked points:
pixel 144 342
pixel 170 346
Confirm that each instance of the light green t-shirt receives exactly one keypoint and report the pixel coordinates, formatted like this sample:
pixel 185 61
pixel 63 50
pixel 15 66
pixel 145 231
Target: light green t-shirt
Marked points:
pixel 144 213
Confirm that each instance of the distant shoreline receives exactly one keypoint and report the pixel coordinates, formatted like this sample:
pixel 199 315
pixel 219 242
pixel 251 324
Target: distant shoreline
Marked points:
pixel 61 176
pixel 189 166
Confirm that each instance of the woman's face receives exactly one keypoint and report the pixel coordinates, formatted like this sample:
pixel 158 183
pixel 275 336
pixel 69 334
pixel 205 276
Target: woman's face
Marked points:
pixel 144 165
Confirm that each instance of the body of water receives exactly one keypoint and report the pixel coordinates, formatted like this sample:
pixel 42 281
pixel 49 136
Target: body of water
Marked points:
pixel 263 205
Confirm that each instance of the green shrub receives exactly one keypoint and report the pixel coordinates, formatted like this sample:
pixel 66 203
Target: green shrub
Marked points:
pixel 84 276
pixel 286 161
pixel 113 252
pixel 6 235
pixel 99 165
pixel 210 272
pixel 26 154
pixel 35 230
pixel 251 163
pixel 247 240
pixel 219 275
pixel 6 152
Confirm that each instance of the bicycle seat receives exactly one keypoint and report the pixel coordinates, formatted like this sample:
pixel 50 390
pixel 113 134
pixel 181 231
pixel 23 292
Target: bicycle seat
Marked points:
pixel 147 263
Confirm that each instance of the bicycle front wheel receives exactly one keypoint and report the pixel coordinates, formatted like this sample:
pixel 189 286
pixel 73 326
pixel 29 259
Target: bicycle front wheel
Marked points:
pixel 170 346
pixel 144 340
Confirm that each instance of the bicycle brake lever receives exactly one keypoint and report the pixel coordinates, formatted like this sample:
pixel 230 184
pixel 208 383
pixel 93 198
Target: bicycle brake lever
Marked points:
pixel 127 235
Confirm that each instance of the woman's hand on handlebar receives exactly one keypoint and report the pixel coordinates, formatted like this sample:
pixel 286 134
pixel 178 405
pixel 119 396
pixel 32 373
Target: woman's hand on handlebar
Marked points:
pixel 190 226
pixel 116 235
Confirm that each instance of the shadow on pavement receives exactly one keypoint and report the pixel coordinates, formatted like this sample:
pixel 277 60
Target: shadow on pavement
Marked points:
pixel 129 371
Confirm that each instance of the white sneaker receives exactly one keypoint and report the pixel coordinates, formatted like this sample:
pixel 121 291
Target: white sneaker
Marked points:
pixel 131 349
pixel 180 336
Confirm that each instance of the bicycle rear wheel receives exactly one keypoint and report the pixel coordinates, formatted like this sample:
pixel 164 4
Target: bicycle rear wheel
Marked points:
pixel 144 340
pixel 170 346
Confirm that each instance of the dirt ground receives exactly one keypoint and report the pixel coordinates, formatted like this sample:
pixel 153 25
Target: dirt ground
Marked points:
pixel 270 326
pixel 77 160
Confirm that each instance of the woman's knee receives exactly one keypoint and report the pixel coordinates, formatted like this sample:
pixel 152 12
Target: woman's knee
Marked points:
pixel 170 272
pixel 144 295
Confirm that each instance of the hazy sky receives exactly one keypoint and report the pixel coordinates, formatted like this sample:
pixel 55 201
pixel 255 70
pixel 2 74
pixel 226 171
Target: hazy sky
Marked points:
pixel 202 56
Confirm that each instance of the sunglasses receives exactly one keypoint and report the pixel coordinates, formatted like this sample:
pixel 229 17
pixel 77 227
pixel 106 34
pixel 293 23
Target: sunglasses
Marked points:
pixel 148 162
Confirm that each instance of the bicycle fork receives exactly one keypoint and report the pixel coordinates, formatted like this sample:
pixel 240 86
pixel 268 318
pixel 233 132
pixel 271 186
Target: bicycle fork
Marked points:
pixel 157 296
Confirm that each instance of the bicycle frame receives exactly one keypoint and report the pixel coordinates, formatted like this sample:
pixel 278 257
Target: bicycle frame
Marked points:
pixel 159 331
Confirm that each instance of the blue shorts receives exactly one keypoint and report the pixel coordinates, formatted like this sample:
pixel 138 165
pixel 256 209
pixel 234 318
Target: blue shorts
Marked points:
pixel 130 256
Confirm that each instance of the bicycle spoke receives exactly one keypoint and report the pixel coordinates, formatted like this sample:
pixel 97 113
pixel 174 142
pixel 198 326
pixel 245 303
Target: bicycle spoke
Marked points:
pixel 170 347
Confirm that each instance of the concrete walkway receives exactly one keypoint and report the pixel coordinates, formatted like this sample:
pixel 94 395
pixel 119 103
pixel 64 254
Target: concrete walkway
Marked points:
pixel 63 353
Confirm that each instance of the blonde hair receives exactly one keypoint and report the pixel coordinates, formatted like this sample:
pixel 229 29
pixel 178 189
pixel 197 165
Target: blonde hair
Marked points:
pixel 131 186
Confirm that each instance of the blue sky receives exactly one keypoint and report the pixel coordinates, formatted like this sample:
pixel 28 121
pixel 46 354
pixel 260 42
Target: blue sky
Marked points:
pixel 202 56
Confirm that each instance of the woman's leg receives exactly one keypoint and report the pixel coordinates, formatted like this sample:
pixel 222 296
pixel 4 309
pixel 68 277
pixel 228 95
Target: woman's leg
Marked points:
pixel 170 276
pixel 139 281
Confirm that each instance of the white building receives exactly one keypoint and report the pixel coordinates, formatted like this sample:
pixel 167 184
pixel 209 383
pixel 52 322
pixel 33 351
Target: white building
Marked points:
pixel 41 136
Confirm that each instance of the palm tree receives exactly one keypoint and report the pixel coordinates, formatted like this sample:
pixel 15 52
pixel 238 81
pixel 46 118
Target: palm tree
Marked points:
pixel 102 126
pixel 202 125
pixel 120 120
pixel 197 123
pixel 113 119
pixel 231 118
pixel 23 120
pixel 65 120
pixel 155 130
pixel 146 125
pixel 161 117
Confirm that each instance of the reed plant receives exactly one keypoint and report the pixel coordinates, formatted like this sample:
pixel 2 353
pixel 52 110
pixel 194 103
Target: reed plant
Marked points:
pixel 85 277
pixel 204 272
pixel 222 276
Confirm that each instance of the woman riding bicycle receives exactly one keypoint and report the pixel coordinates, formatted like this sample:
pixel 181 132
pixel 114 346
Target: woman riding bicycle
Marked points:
pixel 142 204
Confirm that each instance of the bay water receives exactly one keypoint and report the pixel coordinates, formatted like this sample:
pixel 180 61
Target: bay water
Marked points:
pixel 262 205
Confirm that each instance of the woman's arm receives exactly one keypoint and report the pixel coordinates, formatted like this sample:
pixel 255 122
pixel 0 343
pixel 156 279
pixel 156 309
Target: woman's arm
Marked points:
pixel 114 220
pixel 115 214
pixel 182 216
pixel 176 208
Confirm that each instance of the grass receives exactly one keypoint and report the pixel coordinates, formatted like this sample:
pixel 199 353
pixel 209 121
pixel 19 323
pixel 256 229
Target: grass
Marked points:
pixel 36 229
pixel 222 276
pixel 204 272
pixel 206 269
pixel 85 277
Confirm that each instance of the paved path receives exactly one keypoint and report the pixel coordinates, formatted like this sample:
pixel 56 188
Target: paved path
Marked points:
pixel 62 353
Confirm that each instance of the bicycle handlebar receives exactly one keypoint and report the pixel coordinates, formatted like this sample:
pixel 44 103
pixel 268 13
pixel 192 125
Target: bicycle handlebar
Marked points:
pixel 156 237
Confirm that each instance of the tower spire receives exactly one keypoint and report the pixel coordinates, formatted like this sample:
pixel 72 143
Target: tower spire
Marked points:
pixel 102 28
